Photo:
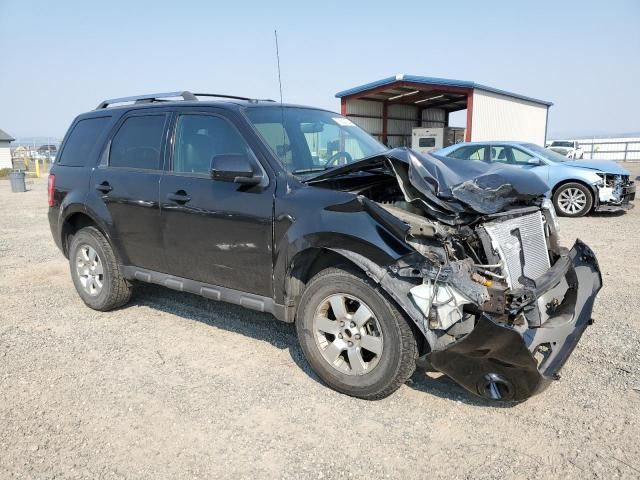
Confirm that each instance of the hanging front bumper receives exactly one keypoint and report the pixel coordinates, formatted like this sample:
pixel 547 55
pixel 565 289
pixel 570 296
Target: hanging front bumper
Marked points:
pixel 513 362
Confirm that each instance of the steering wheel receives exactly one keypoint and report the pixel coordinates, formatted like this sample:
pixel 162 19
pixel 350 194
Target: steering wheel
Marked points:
pixel 332 159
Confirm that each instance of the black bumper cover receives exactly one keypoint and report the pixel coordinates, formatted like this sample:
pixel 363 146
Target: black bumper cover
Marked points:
pixel 497 351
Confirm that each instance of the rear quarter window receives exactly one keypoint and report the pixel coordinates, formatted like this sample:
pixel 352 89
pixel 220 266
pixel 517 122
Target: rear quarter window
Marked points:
pixel 78 149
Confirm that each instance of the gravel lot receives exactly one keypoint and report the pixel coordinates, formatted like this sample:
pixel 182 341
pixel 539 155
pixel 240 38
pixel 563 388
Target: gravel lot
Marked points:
pixel 175 386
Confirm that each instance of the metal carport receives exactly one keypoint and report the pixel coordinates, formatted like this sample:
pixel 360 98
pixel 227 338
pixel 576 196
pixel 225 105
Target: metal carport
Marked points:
pixel 390 108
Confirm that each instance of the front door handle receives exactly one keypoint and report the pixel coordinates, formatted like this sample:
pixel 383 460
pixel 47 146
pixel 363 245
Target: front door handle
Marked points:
pixel 104 187
pixel 179 197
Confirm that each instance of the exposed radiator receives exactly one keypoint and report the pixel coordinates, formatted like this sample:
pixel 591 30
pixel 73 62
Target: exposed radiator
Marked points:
pixel 521 245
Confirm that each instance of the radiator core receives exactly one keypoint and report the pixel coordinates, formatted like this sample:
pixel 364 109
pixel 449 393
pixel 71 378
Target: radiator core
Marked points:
pixel 521 245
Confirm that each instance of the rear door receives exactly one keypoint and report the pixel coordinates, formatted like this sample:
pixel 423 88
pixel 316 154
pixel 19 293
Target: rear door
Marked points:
pixel 215 232
pixel 127 182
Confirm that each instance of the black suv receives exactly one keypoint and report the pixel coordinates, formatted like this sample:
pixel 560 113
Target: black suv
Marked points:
pixel 384 259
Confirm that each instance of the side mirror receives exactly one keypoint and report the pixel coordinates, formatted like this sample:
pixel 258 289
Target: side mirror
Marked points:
pixel 534 161
pixel 232 167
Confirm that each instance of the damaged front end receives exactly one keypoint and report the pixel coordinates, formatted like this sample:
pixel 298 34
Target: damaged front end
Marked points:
pixel 500 303
pixel 615 192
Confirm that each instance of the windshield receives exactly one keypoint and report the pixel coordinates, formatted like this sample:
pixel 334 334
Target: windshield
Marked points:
pixel 562 144
pixel 546 153
pixel 308 141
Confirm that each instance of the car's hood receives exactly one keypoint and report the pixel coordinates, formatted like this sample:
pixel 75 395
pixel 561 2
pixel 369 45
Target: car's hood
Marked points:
pixel 452 190
pixel 562 150
pixel 606 166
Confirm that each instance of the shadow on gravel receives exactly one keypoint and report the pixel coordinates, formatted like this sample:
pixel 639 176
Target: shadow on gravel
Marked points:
pixel 607 214
pixel 233 318
pixel 446 388
pixel 265 328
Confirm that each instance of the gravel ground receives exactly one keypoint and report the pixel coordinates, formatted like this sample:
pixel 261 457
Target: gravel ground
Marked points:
pixel 175 386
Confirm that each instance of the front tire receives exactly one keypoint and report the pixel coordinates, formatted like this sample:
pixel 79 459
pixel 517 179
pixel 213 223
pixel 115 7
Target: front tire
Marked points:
pixel 95 271
pixel 354 338
pixel 573 200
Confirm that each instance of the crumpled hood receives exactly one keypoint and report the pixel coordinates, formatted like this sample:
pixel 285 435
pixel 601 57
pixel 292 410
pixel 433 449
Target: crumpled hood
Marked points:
pixel 451 190
pixel 463 186
pixel 606 166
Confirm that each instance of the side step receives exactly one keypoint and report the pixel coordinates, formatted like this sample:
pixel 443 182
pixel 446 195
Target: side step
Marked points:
pixel 212 292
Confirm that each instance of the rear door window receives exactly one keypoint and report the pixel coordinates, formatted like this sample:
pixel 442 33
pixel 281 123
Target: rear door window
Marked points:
pixel 78 148
pixel 138 143
pixel 499 154
pixel 469 152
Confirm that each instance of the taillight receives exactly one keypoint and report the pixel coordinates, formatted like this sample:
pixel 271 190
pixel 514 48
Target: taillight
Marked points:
pixel 51 186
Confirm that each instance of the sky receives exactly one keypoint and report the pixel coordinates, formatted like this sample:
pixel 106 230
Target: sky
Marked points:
pixel 61 58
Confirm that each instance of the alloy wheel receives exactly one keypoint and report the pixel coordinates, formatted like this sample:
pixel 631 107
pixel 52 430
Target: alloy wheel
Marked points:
pixel 348 334
pixel 89 269
pixel 572 201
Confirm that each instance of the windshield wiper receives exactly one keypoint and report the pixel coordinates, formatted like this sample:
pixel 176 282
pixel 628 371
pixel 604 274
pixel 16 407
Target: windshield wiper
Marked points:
pixel 309 170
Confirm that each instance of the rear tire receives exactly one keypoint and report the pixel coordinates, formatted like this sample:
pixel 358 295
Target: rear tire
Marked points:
pixel 573 200
pixel 373 354
pixel 95 271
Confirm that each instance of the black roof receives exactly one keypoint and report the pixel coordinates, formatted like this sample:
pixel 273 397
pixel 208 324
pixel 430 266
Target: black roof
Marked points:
pixel 5 137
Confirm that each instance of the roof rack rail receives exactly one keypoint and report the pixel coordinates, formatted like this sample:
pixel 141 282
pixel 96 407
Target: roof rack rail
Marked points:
pixel 235 97
pixel 148 98
pixel 161 97
pixel 219 95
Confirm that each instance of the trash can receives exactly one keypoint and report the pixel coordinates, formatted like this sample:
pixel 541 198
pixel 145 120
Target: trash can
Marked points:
pixel 17 181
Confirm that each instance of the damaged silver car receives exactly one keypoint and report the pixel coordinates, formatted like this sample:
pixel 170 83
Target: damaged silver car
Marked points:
pixel 576 187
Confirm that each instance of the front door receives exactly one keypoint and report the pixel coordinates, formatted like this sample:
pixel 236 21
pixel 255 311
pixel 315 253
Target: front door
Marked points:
pixel 213 231
pixel 519 158
pixel 128 185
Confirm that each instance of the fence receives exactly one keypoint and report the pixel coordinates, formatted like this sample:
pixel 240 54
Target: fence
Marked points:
pixel 620 150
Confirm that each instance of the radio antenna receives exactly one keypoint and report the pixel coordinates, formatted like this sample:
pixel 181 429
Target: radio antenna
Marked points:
pixel 275 33
pixel 284 131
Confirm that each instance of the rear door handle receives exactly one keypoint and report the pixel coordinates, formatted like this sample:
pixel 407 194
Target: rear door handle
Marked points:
pixel 104 187
pixel 179 197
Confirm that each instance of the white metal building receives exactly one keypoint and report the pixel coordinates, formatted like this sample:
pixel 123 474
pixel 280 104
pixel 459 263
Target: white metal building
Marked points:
pixel 392 107
pixel 5 151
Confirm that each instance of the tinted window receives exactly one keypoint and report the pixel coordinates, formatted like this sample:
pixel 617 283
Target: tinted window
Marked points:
pixel 469 152
pixel 199 138
pixel 81 141
pixel 138 143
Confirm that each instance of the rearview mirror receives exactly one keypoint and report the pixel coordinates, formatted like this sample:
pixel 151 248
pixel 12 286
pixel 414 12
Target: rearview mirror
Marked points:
pixel 316 127
pixel 534 161
pixel 232 167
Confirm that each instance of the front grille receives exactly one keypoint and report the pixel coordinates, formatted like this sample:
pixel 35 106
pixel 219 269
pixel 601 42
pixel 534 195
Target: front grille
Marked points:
pixel 521 245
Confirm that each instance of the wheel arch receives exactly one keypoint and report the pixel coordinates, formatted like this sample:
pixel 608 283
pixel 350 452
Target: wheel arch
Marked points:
pixel 303 267
pixel 590 187
pixel 76 221
pixel 307 263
